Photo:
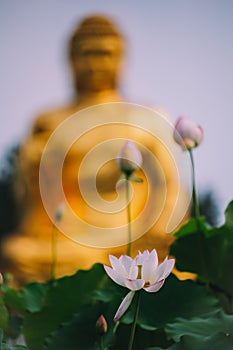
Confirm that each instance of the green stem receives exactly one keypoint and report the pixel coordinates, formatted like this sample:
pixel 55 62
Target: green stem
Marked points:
pixel 101 343
pixel 54 253
pixel 128 216
pixel 201 239
pixel 130 347
pixel 194 193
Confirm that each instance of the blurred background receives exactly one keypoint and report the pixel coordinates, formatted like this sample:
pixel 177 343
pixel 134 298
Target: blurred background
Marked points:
pixel 179 57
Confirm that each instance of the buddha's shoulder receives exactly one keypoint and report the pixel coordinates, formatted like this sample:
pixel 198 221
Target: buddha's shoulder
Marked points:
pixel 52 118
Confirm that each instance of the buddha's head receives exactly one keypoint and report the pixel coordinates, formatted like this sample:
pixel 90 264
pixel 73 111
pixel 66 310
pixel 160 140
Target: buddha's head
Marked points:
pixel 95 53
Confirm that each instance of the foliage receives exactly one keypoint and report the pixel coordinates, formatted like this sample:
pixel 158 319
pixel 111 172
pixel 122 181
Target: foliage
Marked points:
pixel 192 314
pixel 207 252
pixel 4 346
pixel 9 214
pixel 209 207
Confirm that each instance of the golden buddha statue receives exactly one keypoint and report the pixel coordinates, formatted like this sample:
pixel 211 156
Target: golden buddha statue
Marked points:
pixel 95 52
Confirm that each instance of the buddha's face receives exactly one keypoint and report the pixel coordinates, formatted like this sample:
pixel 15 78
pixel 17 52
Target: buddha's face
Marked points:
pixel 96 64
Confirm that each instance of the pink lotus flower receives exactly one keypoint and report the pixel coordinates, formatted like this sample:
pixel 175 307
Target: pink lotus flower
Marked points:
pixel 143 272
pixel 187 133
pixel 129 159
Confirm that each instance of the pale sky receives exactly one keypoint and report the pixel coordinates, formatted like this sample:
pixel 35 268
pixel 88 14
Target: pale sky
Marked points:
pixel 180 57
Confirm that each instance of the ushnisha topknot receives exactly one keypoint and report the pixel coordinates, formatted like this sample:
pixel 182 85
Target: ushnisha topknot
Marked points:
pixel 92 26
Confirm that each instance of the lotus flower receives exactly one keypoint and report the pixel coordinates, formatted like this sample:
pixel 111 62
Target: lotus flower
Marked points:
pixel 129 159
pixel 143 272
pixel 187 133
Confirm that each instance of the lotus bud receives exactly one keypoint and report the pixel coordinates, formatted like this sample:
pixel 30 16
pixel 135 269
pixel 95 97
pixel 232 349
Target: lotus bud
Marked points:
pixel 101 325
pixel 187 133
pixel 129 159
pixel 59 212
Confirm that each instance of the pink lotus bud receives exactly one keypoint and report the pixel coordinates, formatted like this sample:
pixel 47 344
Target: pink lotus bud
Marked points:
pixel 1 278
pixel 129 159
pixel 101 325
pixel 59 212
pixel 187 133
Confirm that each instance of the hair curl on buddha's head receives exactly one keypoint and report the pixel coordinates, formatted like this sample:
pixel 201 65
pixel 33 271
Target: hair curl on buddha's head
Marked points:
pixel 92 26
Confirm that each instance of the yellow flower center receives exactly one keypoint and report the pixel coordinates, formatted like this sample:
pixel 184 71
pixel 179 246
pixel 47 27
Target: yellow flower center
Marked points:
pixel 139 271
pixel 147 284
